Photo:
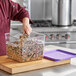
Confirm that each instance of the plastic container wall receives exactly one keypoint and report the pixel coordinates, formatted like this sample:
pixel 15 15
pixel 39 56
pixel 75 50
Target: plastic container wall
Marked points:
pixel 24 49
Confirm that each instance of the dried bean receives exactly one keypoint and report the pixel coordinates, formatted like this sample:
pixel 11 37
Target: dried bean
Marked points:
pixel 25 50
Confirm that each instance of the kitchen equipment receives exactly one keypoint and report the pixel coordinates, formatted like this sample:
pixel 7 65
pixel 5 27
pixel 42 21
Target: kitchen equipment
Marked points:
pixel 63 37
pixel 58 55
pixel 23 48
pixel 61 12
pixel 13 67
pixel 59 36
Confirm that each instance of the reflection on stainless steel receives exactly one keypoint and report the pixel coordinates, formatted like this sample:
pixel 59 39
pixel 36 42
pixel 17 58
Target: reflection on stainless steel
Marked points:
pixel 61 12
pixel 65 12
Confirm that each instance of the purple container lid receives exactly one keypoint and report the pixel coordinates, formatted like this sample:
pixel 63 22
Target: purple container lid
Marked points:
pixel 58 55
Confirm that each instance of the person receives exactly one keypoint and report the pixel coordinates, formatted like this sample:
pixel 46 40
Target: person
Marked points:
pixel 10 10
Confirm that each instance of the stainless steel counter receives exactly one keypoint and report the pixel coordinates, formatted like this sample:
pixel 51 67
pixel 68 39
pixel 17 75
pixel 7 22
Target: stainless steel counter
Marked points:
pixel 63 70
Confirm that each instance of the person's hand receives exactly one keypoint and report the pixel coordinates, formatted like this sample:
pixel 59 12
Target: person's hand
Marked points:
pixel 26 26
pixel 27 29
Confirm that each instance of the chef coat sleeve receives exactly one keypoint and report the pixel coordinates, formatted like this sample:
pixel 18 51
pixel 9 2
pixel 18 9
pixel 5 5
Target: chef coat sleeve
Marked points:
pixel 18 12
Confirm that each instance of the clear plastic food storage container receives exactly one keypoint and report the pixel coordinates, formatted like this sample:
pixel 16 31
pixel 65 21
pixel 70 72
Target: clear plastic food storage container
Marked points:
pixel 24 48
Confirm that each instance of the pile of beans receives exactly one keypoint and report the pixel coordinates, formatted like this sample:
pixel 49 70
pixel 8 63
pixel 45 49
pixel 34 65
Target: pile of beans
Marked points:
pixel 25 50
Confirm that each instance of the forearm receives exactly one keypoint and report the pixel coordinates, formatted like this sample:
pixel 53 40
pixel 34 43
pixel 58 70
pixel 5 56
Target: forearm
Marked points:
pixel 26 26
pixel 25 20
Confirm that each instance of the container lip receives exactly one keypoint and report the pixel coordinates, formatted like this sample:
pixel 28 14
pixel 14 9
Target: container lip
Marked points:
pixel 33 32
pixel 30 36
pixel 38 33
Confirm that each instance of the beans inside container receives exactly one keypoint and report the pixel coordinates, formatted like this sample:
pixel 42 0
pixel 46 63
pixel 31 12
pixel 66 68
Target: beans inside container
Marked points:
pixel 26 49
